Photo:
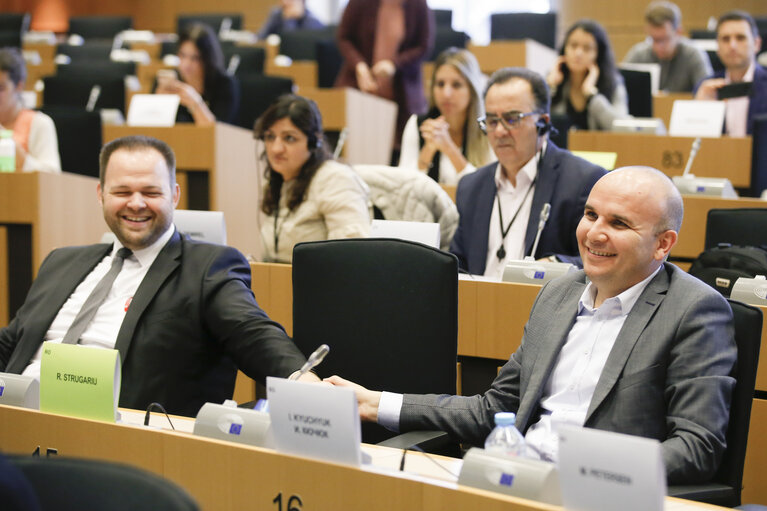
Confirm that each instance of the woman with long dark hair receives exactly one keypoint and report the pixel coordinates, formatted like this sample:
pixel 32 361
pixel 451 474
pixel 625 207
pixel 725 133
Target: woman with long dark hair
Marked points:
pixel 308 196
pixel 585 83
pixel 207 93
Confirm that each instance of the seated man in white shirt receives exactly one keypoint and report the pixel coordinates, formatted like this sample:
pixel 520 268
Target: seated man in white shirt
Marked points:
pixel 682 65
pixel 738 43
pixel 180 312
pixel 631 344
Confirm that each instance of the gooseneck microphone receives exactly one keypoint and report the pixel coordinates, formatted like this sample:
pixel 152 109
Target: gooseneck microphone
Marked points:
pixel 545 212
pixel 693 153
pixel 314 360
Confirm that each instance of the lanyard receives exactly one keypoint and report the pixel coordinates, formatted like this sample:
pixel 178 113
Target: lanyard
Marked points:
pixel 501 253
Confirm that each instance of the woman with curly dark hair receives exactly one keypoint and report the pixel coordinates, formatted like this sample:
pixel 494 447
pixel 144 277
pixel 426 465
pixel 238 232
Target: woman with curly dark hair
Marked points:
pixel 585 83
pixel 308 196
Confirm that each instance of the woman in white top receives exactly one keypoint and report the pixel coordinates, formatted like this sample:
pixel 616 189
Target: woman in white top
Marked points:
pixel 307 196
pixel 446 142
pixel 37 146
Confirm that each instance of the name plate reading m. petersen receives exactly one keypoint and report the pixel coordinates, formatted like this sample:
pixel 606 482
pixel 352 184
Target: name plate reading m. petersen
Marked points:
pixel 80 381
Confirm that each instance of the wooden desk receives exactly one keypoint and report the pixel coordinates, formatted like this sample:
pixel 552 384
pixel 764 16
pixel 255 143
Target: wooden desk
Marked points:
pixel 39 212
pixel 491 318
pixel 370 121
pixel 526 53
pixel 302 72
pixel 718 157
pixel 663 103
pixel 226 476
pixel 217 170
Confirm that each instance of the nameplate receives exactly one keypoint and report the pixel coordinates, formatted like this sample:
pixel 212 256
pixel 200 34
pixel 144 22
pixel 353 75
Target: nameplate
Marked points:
pixel 313 420
pixel 601 471
pixel 157 110
pixel 80 381
pixel 696 118
pixel 604 159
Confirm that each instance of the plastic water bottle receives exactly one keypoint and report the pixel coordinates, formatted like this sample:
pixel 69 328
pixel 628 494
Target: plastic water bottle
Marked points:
pixel 505 438
pixel 7 151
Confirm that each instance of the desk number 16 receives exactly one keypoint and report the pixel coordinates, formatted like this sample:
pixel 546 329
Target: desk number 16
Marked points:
pixel 294 503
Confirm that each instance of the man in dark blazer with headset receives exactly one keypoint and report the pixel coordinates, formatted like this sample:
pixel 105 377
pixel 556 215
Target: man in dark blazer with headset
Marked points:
pixel 529 167
pixel 180 312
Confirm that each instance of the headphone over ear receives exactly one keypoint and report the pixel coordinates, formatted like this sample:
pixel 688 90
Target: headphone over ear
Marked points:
pixel 544 126
pixel 314 142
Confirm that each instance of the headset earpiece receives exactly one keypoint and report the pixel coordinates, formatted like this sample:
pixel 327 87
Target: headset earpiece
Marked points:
pixel 544 125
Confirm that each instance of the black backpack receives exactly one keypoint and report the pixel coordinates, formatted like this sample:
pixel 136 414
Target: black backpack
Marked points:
pixel 721 266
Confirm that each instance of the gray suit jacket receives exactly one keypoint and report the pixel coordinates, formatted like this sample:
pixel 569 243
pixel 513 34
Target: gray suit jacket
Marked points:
pixel 667 376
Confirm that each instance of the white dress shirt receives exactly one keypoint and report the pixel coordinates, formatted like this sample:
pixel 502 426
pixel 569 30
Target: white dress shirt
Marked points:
pixel 102 331
pixel 512 198
pixel 568 392
pixel 736 109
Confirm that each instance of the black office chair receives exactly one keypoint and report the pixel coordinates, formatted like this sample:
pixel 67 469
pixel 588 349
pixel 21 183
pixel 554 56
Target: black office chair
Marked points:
pixel 96 69
pixel 725 488
pixel 214 21
pixel 251 59
pixel 70 483
pixel 524 25
pixel 329 62
pixel 443 18
pixel 302 44
pixel 73 90
pixel 387 308
pixel 759 156
pixel 10 38
pixel 561 124
pixel 99 27
pixel 741 226
pixel 15 21
pixel 444 38
pixel 257 92
pixel 79 136
pixel 639 89
pixel 98 50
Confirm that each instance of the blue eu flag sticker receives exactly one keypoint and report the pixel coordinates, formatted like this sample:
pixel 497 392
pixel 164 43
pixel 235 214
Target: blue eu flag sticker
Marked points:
pixel 2 388
pixel 539 274
pixel 506 479
pixel 235 429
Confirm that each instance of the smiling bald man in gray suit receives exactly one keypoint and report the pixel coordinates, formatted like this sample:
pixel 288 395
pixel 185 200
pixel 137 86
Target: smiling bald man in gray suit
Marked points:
pixel 631 344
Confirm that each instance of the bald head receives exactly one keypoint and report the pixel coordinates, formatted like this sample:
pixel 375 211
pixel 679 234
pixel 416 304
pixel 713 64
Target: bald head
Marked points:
pixel 652 185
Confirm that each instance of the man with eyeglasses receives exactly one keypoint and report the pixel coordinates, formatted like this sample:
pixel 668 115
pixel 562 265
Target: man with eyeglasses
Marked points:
pixel 500 204
pixel 682 65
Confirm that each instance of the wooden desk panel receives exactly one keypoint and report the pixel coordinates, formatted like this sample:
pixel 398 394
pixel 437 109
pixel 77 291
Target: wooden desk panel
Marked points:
pixel 369 119
pixel 226 476
pixel 302 72
pixel 718 157
pixel 527 53
pixel 754 490
pixel 663 103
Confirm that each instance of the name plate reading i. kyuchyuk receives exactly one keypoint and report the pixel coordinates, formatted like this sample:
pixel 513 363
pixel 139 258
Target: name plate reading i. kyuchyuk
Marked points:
pixel 80 381
pixel 318 421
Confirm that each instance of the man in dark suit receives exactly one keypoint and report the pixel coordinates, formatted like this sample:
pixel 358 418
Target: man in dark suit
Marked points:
pixel 738 41
pixel 631 344
pixel 500 204
pixel 181 313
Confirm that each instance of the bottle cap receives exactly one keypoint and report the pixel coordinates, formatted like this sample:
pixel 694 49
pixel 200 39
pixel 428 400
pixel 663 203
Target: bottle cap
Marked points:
pixel 505 418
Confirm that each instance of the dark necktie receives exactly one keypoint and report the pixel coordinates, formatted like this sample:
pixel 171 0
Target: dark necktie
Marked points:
pixel 95 299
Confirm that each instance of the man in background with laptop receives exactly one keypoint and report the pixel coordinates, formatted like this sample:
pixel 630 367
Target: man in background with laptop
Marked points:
pixel 682 65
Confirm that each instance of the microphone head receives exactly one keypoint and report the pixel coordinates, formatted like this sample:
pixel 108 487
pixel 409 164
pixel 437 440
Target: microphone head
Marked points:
pixel 319 354
pixel 546 211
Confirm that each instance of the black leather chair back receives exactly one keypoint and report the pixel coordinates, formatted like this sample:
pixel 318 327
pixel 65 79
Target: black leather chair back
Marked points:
pixel 740 226
pixel 524 25
pixel 79 136
pixel 387 308
pixel 74 90
pixel 69 483
pixel 639 89
pixel 99 27
pixel 257 92
pixel 214 21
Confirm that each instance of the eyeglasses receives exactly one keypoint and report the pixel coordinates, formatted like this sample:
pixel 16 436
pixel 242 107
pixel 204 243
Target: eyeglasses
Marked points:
pixel 509 120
